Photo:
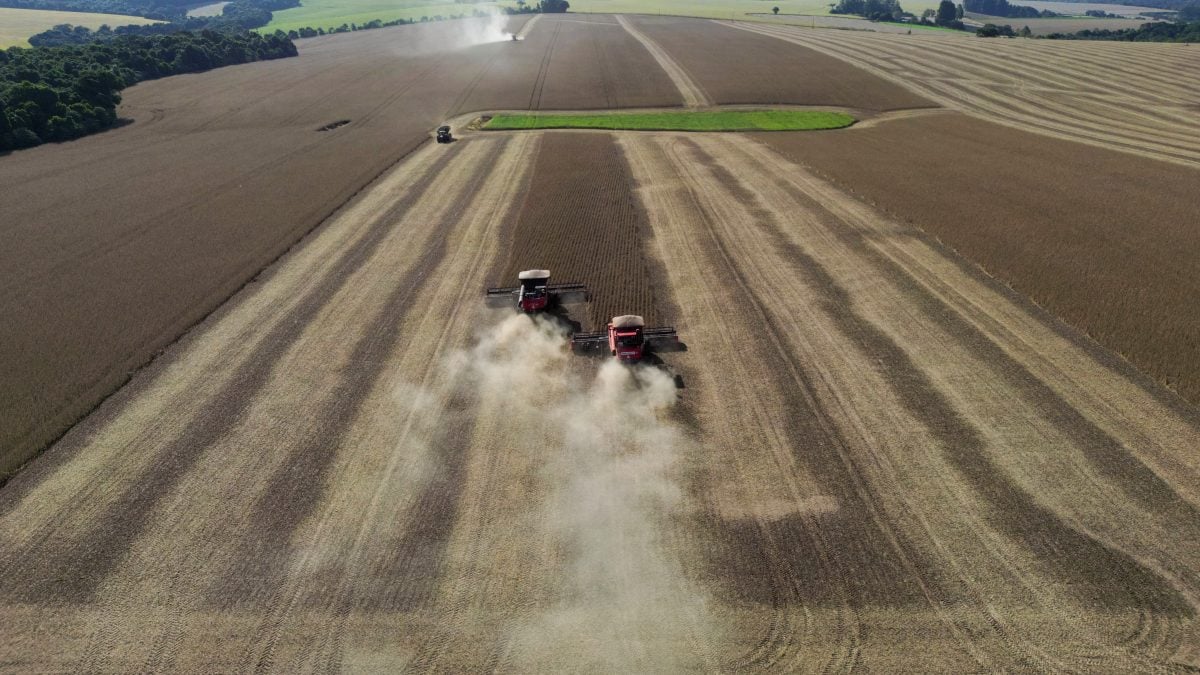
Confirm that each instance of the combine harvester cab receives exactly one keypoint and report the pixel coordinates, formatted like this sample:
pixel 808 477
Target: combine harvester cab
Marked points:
pixel 628 339
pixel 536 293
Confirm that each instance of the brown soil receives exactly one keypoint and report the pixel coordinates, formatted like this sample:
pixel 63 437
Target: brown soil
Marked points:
pixel 733 66
pixel 571 64
pixel 1121 263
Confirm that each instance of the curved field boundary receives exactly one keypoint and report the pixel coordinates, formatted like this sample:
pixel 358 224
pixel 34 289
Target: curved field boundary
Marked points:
pixel 693 94
pixel 715 120
pixel 1084 93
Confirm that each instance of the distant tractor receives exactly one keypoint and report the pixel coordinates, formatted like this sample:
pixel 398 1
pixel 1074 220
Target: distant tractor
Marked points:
pixel 628 339
pixel 536 293
pixel 443 134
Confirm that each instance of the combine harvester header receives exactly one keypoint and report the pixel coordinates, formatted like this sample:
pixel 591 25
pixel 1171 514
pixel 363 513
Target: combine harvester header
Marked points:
pixel 536 293
pixel 628 339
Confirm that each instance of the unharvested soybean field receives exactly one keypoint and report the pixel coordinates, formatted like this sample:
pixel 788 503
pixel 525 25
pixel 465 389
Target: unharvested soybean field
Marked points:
pixel 884 448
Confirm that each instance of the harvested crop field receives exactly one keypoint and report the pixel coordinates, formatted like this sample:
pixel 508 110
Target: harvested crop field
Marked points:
pixel 757 69
pixel 581 222
pixel 1059 24
pixel 574 63
pixel 219 174
pixel 1047 232
pixel 355 465
pixel 871 455
pixel 1139 98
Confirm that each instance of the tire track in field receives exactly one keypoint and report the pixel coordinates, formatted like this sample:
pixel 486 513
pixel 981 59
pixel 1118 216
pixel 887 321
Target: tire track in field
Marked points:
pixel 539 83
pixel 692 93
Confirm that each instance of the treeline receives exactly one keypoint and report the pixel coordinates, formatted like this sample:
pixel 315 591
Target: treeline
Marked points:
pixel 1148 32
pixel 947 15
pixel 541 7
pixel 59 93
pixel 162 10
pixel 875 10
pixel 1003 8
pixel 237 16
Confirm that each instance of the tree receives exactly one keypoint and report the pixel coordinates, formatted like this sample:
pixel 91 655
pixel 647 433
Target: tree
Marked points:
pixel 958 11
pixel 553 6
pixel 775 10
pixel 1025 32
pixel 946 13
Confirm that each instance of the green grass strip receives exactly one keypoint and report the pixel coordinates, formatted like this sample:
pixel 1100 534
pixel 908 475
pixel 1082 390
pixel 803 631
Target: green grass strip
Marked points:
pixel 715 120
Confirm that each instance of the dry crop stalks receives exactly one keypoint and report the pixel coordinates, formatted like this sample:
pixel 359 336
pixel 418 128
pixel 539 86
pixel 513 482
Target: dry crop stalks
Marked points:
pixel 1103 240
pixel 765 71
pixel 1134 97
pixel 220 174
pixel 1064 530
pixel 580 221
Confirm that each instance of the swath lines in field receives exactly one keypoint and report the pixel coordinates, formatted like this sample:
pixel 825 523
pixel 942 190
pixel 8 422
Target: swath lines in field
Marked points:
pixel 1035 77
pixel 1014 539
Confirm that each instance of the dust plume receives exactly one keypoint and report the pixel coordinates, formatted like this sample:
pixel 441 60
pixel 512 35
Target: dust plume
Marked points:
pixel 454 34
pixel 622 602
pixel 492 26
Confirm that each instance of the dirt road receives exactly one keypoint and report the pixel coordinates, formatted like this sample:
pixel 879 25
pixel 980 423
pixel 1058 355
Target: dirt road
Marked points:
pixel 880 458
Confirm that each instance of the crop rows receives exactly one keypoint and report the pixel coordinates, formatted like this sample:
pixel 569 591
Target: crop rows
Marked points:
pixel 571 64
pixel 1135 97
pixel 732 68
pixel 111 247
pixel 581 221
pixel 1119 262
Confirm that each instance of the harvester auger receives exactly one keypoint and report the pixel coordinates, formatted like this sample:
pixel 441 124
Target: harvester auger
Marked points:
pixel 628 339
pixel 536 293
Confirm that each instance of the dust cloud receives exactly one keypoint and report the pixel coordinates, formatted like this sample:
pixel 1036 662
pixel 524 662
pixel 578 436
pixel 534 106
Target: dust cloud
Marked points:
pixel 453 35
pixel 481 30
pixel 611 458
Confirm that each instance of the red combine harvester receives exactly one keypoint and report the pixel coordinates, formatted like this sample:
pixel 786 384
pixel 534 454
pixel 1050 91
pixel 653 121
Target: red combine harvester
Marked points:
pixel 628 339
pixel 536 293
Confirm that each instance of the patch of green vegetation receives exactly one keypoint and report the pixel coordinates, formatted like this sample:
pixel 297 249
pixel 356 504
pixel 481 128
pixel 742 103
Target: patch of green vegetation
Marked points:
pixel 16 25
pixel 710 120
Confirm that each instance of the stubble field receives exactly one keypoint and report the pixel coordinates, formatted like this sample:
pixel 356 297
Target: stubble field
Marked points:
pixel 881 457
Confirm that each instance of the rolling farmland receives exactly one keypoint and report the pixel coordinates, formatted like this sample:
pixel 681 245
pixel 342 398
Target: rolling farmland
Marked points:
pixel 889 445
pixel 18 25
pixel 1138 98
